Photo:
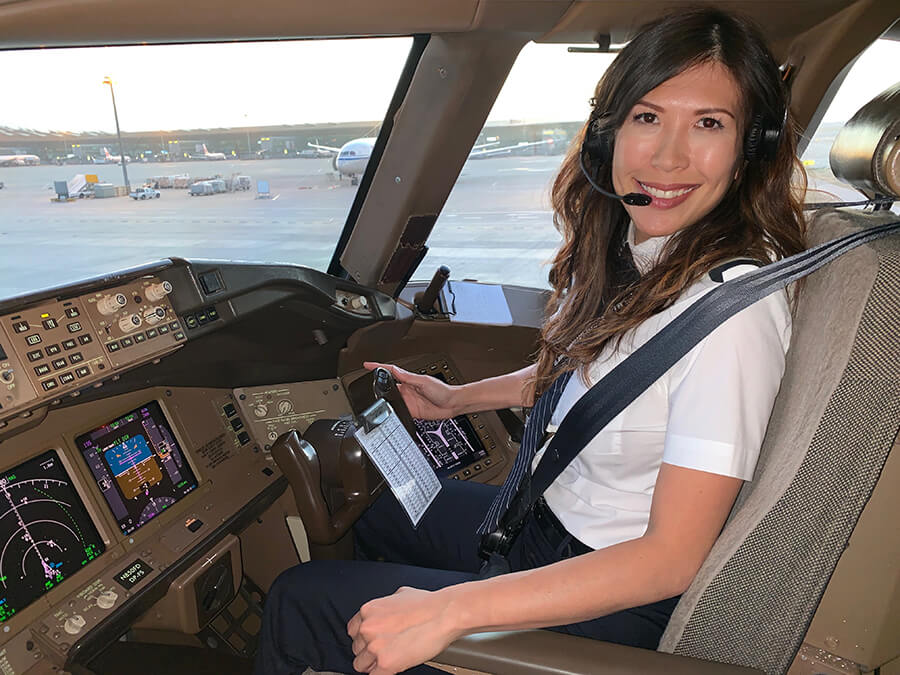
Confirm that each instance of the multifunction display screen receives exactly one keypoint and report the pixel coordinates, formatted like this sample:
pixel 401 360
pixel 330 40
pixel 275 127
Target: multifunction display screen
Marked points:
pixel 449 445
pixel 46 534
pixel 138 465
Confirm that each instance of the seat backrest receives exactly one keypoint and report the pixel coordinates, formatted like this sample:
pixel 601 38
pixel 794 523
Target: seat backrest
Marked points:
pixel 832 428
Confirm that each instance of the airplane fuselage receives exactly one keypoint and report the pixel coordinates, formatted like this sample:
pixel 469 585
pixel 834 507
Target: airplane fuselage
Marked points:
pixel 19 160
pixel 353 156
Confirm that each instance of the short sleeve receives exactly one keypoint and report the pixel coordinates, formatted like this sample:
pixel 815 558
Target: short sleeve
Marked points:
pixel 721 395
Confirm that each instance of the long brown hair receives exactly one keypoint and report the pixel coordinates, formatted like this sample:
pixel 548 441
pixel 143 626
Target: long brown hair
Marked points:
pixel 598 295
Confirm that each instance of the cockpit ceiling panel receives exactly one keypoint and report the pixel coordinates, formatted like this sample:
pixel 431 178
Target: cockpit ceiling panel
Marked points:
pixel 619 18
pixel 31 23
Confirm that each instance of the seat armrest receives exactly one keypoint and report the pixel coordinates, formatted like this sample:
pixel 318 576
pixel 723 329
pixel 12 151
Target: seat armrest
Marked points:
pixel 543 652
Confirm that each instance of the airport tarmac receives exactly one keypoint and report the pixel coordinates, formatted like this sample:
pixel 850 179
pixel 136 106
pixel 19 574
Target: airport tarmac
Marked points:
pixel 496 225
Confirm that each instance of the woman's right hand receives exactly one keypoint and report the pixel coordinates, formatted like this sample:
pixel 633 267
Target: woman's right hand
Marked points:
pixel 426 397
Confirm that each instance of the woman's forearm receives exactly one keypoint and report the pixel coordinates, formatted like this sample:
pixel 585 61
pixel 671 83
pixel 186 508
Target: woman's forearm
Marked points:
pixel 503 391
pixel 630 574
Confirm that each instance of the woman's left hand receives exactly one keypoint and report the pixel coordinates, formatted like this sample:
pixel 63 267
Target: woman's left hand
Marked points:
pixel 400 631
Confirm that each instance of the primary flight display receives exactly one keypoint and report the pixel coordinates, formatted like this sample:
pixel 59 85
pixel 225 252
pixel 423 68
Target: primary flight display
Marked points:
pixel 138 465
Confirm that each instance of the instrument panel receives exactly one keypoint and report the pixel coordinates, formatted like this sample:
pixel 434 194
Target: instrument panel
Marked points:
pixel 111 497
pixel 108 503
pixel 59 346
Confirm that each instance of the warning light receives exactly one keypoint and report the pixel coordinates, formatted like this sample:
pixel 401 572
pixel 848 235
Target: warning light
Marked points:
pixel 45 316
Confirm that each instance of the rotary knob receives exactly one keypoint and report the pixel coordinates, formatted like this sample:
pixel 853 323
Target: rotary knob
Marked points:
pixel 156 292
pixel 130 323
pixel 261 410
pixel 154 315
pixel 74 624
pixel 359 302
pixel 110 304
pixel 107 599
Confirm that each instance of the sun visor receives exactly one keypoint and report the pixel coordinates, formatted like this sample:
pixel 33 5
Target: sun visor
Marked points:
pixel 866 152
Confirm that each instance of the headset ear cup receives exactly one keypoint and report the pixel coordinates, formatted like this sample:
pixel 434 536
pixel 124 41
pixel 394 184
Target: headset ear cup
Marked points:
pixel 771 141
pixel 597 148
pixel 761 142
pixel 753 139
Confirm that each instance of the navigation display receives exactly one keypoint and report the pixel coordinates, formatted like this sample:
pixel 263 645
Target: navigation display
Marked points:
pixel 449 445
pixel 45 532
pixel 138 465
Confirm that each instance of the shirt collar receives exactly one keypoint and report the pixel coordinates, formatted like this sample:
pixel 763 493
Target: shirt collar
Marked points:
pixel 646 254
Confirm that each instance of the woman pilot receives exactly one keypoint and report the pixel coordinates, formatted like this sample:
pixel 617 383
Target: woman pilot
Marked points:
pixel 692 114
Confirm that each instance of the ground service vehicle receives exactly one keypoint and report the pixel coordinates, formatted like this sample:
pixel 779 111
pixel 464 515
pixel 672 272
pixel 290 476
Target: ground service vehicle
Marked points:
pixel 144 193
pixel 150 412
pixel 201 188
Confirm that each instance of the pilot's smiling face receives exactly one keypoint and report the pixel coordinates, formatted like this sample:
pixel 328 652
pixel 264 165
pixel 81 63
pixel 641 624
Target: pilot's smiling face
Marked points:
pixel 681 144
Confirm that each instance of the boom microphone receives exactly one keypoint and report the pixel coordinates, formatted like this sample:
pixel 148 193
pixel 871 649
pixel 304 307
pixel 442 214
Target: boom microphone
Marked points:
pixel 632 198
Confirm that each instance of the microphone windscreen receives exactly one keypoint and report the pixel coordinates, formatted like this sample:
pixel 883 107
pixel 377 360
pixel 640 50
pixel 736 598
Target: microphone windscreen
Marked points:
pixel 637 199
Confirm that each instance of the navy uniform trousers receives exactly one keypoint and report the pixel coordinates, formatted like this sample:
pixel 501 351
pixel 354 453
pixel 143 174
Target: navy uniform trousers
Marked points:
pixel 309 606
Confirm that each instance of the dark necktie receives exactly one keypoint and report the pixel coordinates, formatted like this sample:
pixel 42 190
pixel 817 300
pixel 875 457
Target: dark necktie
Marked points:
pixel 535 427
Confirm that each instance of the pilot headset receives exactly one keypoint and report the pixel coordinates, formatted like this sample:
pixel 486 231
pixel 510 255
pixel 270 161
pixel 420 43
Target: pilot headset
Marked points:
pixel 760 142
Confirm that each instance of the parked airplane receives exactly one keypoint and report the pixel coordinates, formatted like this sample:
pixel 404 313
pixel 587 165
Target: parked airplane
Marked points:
pixel 110 159
pixel 209 156
pixel 19 160
pixel 351 158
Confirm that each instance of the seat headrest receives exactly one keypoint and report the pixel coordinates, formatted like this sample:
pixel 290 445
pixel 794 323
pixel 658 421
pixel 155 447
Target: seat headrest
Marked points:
pixel 866 152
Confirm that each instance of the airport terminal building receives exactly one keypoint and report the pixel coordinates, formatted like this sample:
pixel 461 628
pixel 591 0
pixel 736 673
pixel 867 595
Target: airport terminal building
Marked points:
pixel 269 142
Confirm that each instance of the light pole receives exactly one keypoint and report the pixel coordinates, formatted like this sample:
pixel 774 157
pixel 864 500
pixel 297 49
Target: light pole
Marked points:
pixel 108 80
pixel 249 151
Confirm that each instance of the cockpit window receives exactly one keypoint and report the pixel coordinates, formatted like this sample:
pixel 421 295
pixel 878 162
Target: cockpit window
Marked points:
pixel 874 71
pixel 497 225
pixel 228 151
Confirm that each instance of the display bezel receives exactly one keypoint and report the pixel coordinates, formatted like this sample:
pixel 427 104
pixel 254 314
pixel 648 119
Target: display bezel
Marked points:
pixel 167 418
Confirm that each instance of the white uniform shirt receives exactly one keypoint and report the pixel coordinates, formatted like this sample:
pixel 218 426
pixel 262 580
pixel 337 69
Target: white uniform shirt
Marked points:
pixel 708 412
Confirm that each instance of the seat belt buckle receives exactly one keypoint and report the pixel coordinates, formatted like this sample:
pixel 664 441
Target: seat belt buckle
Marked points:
pixel 493 543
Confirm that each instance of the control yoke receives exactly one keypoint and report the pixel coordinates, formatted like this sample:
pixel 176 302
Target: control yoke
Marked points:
pixel 385 386
pixel 327 460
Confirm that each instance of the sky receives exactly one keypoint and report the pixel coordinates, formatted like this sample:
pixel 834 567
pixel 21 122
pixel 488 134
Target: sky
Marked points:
pixel 270 83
